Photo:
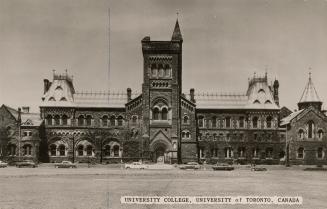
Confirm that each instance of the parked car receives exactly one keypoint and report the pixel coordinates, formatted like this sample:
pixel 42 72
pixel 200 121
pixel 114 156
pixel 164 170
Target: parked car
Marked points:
pixel 26 163
pixel 65 164
pixel 190 165
pixel 137 165
pixel 222 167
pixel 3 164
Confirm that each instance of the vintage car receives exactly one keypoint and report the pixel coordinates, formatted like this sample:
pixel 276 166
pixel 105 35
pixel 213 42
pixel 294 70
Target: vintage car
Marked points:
pixel 136 165
pixel 253 168
pixel 3 164
pixel 65 164
pixel 222 167
pixel 190 165
pixel 26 163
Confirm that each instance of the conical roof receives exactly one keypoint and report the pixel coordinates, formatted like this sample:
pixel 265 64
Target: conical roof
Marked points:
pixel 177 35
pixel 309 94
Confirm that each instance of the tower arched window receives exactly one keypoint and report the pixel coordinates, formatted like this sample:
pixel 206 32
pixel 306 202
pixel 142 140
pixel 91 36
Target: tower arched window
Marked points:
pixel 167 70
pixel 89 120
pixel 241 122
pixel 64 119
pixel 56 120
pixel 154 70
pixel 255 122
pixel 155 113
pixel 185 119
pixel 80 120
pixel 269 121
pixel 311 127
pixel 62 150
pixel 161 70
pixel 164 113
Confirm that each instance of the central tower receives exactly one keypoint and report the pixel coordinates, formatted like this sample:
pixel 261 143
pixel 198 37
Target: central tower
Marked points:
pixel 161 89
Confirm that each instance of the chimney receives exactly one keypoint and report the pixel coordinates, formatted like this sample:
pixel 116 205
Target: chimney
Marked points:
pixel 129 94
pixel 192 95
pixel 25 109
pixel 46 85
pixel 19 117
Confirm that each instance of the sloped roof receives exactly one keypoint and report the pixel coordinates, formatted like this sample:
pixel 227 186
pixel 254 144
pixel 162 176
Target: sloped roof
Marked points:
pixel 220 100
pixel 309 94
pixel 28 119
pixel 288 119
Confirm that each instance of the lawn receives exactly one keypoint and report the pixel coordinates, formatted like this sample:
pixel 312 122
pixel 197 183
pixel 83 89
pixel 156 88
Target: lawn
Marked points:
pixel 102 187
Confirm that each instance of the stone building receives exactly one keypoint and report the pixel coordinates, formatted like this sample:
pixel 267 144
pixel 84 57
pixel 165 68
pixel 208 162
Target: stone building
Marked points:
pixel 20 134
pixel 306 140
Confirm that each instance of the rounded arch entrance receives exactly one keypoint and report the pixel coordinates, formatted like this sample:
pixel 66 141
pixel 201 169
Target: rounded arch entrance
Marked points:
pixel 161 149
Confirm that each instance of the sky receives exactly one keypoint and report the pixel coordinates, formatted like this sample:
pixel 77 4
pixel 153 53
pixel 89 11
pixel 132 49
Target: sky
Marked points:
pixel 225 43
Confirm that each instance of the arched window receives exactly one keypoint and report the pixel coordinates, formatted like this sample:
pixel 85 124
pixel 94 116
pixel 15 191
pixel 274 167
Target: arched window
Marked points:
pixel 268 121
pixel 105 120
pixel 188 135
pixel 255 153
pixel 49 120
pixel 56 120
pixel 80 120
pixel 300 153
pixel 311 127
pixel 241 122
pixel 200 136
pixel 62 150
pixel 301 134
pixel 320 153
pixel 185 119
pixel 214 136
pixel 155 113
pixel 89 150
pixel 214 121
pixel 89 120
pixel 320 134
pixel 269 153
pixel 120 120
pixel 183 135
pixel 154 70
pixel 80 150
pixel 201 121
pixel 228 122
pixel 164 114
pixel 167 70
pixel 27 150
pixel 11 149
pixel 161 70
pixel 116 151
pixel 255 122
pixel 112 120
pixel 53 150
pixel 241 152
pixel 64 119
pixel 228 152
pixel 107 150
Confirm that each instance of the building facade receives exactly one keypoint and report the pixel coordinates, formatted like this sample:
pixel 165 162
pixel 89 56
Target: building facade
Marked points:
pixel 306 141
pixel 163 125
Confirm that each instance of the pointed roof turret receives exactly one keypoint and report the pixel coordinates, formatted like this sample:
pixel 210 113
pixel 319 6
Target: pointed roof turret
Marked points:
pixel 309 96
pixel 177 35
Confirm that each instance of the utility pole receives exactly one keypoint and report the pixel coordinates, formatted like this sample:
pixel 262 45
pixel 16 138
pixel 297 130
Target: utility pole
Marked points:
pixel 19 131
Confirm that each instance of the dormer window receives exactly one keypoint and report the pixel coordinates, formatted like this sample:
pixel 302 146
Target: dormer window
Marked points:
pixel 256 102
pixel 59 88
pixel 268 102
pixel 63 99
pixel 261 91
pixel 52 99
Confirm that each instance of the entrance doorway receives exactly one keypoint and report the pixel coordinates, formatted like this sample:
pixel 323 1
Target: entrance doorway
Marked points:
pixel 159 155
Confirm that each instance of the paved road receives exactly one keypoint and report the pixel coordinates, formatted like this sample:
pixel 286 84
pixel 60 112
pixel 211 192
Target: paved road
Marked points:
pixel 102 187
